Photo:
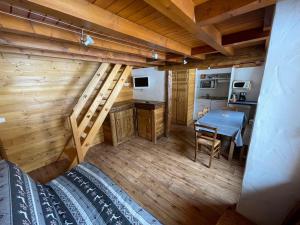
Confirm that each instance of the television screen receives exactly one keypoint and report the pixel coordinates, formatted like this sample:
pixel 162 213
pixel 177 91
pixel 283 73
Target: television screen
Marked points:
pixel 141 82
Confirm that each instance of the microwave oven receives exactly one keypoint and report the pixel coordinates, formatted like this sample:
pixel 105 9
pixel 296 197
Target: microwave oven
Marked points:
pixel 241 84
pixel 208 84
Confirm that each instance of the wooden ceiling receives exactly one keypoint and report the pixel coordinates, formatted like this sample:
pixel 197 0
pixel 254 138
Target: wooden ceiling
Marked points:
pixel 172 28
pixel 143 14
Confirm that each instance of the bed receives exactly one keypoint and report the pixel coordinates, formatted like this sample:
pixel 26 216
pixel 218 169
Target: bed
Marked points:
pixel 84 195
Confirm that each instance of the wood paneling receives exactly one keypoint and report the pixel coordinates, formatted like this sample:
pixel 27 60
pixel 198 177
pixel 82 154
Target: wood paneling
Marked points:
pixel 191 95
pixel 143 14
pixel 37 95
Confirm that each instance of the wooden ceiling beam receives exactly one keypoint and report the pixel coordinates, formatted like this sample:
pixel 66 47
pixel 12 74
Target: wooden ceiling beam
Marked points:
pixel 239 38
pixel 215 11
pixel 268 18
pixel 179 58
pixel 23 26
pixel 179 12
pixel 107 21
pixel 63 55
pixel 206 49
pixel 247 36
pixel 23 41
pixel 246 55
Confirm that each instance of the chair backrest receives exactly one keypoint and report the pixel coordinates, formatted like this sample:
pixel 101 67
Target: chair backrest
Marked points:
pixel 205 110
pixel 200 114
pixel 205 130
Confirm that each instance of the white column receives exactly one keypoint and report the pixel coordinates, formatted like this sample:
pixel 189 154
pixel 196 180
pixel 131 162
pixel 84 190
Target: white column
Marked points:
pixel 271 184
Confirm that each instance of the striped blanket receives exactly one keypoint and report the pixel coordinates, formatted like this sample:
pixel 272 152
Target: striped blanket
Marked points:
pixel 84 195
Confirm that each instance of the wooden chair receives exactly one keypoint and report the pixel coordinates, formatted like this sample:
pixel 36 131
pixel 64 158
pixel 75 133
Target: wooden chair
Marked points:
pixel 203 112
pixel 206 136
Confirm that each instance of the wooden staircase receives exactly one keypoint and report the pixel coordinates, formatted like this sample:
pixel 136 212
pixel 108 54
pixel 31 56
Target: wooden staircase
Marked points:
pixel 93 106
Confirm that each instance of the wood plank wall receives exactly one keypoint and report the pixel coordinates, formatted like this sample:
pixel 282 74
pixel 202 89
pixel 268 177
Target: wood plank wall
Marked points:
pixel 36 97
pixel 191 95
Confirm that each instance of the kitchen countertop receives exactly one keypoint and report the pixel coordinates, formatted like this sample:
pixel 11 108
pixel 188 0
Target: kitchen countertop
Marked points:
pixel 243 103
pixel 145 104
pixel 138 103
pixel 213 98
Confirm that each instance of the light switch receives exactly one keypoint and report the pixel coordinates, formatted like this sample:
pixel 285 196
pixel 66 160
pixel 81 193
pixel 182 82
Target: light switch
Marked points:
pixel 2 120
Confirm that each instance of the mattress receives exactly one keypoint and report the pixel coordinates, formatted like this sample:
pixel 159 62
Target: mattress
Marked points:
pixel 84 195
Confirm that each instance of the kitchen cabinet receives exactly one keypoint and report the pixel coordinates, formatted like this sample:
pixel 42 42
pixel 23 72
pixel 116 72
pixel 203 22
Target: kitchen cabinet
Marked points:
pixel 218 104
pixel 211 104
pixel 144 123
pixel 183 92
pixel 119 125
pixel 127 119
pixel 246 109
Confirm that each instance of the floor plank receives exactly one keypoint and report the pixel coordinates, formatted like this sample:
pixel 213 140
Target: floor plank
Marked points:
pixel 164 179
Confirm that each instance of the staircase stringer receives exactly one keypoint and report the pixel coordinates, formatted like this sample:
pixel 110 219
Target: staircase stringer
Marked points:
pixel 89 89
pixel 78 130
pixel 99 74
pixel 104 111
pixel 104 88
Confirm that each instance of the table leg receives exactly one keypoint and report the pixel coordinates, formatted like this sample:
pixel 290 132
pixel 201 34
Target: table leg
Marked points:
pixel 231 150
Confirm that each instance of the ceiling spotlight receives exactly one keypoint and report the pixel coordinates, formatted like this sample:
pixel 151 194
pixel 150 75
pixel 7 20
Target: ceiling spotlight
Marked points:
pixel 185 61
pixel 154 55
pixel 86 40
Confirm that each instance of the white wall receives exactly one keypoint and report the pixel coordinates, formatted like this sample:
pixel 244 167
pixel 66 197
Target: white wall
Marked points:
pixel 156 89
pixel 254 74
pixel 271 184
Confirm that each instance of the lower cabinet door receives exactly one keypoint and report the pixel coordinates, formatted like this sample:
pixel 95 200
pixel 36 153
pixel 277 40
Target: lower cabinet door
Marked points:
pixel 144 123
pixel 124 125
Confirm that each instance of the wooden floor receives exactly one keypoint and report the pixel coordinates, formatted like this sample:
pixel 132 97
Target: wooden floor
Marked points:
pixel 164 179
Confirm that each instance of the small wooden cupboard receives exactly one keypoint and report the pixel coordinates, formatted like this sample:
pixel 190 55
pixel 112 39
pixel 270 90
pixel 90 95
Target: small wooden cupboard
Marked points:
pixel 183 95
pixel 150 120
pixel 119 125
pixel 127 119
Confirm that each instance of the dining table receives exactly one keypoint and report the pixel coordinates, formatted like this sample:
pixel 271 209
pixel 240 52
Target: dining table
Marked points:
pixel 228 123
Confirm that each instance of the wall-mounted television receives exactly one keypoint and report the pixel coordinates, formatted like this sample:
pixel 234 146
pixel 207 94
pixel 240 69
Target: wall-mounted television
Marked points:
pixel 141 82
